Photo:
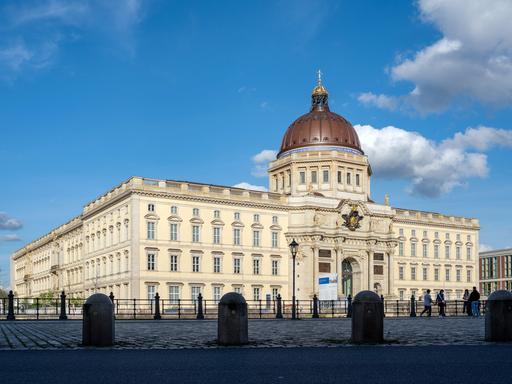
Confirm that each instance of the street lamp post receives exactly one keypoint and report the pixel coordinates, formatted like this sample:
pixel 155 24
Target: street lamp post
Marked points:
pixel 294 246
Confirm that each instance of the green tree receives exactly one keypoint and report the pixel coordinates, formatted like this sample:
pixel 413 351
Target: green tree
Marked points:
pixel 3 293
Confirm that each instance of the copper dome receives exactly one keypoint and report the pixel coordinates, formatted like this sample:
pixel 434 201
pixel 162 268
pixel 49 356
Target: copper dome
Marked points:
pixel 320 127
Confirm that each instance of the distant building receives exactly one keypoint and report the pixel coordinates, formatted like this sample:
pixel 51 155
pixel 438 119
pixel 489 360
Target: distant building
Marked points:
pixel 495 270
pixel 182 238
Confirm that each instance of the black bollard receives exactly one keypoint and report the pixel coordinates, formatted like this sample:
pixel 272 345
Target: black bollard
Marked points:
pixel 10 306
pixel 232 322
pixel 498 316
pixel 279 312
pixel 98 326
pixel 200 315
pixel 349 306
pixel 157 307
pixel 62 315
pixel 413 307
pixel 367 321
pixel 315 307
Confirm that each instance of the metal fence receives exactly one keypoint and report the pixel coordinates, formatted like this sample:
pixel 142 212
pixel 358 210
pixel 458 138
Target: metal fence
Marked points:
pixel 43 308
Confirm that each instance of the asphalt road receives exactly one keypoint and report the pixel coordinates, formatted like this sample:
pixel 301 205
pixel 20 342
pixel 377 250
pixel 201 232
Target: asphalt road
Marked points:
pixel 369 364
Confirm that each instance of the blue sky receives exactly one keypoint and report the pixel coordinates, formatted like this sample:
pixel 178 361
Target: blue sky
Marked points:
pixel 93 92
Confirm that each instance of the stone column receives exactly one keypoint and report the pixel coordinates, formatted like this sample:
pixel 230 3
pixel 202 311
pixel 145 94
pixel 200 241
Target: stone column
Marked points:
pixel 338 259
pixel 370 270
pixel 315 269
pixel 390 274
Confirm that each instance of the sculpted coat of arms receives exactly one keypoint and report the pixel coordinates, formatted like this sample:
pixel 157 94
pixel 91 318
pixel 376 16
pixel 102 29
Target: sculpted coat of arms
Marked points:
pixel 352 219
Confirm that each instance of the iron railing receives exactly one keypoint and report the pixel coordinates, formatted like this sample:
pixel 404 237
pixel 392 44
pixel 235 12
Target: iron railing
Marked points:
pixel 45 308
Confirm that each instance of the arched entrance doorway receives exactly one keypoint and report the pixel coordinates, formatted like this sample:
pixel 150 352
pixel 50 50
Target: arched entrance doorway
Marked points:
pixel 347 278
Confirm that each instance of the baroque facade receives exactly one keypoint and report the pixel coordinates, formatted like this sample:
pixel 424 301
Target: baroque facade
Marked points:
pixel 182 238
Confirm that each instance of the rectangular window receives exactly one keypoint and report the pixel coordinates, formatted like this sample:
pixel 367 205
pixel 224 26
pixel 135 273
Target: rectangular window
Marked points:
pixel 436 274
pixel 255 238
pixel 274 219
pixel 236 236
pixel 195 263
pixel 174 210
pixel 275 267
pixel 216 235
pixel 314 179
pixel 458 236
pixel 237 216
pixel 274 239
pixel 447 251
pixel 325 176
pixel 195 291
pixel 457 253
pixel 447 274
pixel 195 212
pixel 216 264
pixel 174 294
pixel 400 273
pixel 413 249
pixel 425 273
pixel 216 214
pixel 436 251
pixel 256 266
pixel 151 230
pixel 216 294
pixel 256 293
pixel 413 233
pixel 302 177
pixel 401 294
pixel 425 250
pixel 458 275
pixel 174 232
pixel 378 269
pixel 256 218
pixel 401 231
pixel 237 290
pixel 151 261
pixel 151 292
pixel 468 253
pixel 400 249
pixel 151 207
pixel 236 266
pixel 413 273
pixel 436 235
pixel 357 180
pixel 447 236
pixel 348 178
pixel 174 263
pixel 275 292
pixel 424 234
pixel 340 179
pixel 195 233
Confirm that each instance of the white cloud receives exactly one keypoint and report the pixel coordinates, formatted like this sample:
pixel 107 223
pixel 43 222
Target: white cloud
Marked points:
pixel 471 61
pixel 380 101
pixel 8 223
pixel 260 162
pixel 484 248
pixel 433 168
pixel 9 237
pixel 245 185
pixel 33 32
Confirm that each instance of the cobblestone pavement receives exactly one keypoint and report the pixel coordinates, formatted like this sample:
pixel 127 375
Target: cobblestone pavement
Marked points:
pixel 176 334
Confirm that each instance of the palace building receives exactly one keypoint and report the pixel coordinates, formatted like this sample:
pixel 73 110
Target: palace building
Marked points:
pixel 182 238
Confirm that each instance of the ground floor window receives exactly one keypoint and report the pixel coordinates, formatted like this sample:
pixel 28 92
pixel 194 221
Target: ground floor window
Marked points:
pixel 174 294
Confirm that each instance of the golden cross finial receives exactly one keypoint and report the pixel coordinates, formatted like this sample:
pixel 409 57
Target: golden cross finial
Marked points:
pixel 319 77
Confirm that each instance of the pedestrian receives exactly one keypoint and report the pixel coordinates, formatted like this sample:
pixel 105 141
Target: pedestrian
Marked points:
pixel 441 303
pixel 474 299
pixel 466 302
pixel 427 303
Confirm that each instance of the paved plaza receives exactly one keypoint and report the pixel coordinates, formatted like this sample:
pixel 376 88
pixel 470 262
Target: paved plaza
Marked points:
pixel 175 334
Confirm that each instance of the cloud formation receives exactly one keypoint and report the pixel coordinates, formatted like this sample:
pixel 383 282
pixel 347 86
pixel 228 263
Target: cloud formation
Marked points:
pixel 472 61
pixel 8 223
pixel 245 185
pixel 10 237
pixel 260 162
pixel 34 31
pixel 380 101
pixel 433 168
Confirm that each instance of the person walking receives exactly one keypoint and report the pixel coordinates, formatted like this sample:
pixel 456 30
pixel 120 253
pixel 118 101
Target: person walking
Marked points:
pixel 466 302
pixel 474 300
pixel 427 303
pixel 441 303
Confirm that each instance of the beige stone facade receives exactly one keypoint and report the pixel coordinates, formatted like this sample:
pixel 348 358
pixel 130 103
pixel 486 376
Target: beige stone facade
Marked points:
pixel 182 238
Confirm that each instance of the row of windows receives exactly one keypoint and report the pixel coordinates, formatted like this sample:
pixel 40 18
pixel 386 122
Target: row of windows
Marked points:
pixel 489 267
pixel 217 235
pixel 414 271
pixel 217 266
pixel 175 293
pixel 325 177
pixel 216 214
pixel 425 251
pixel 436 235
